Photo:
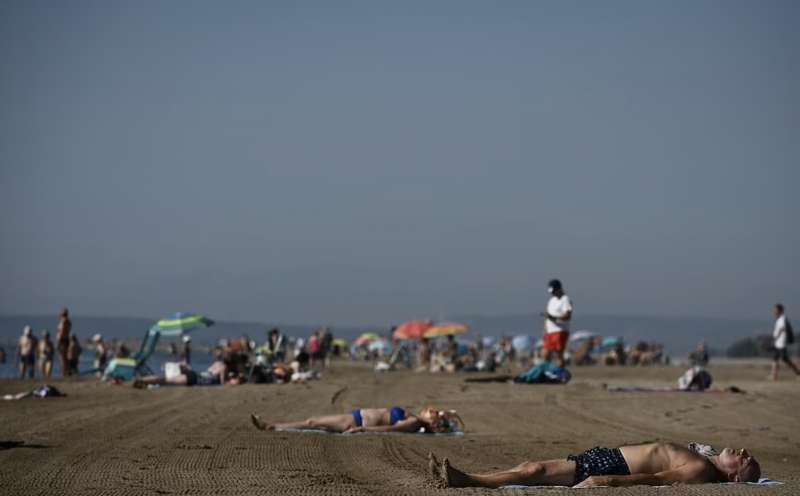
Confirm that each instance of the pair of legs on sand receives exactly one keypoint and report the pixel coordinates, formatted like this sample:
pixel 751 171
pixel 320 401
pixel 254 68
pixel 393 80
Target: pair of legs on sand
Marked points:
pixel 549 473
pixel 782 356
pixel 331 423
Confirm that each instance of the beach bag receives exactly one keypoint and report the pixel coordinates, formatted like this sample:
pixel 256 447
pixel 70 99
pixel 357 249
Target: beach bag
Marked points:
pixel 47 391
pixel 695 379
pixel 789 333
pixel 544 373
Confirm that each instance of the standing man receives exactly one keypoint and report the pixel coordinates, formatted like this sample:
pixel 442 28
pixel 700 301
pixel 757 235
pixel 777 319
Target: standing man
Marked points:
pixel 100 354
pixel 74 351
pixel 46 355
pixel 62 340
pixel 187 350
pixel 556 322
pixel 780 336
pixel 26 353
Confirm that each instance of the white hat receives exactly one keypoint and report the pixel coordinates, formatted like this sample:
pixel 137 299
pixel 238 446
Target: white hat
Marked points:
pixel 27 330
pixel 187 339
pixel 97 337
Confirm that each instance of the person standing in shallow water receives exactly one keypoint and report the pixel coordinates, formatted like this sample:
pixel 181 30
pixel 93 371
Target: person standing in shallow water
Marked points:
pixel 62 340
pixel 780 336
pixel 26 353
pixel 74 351
pixel 556 322
pixel 187 350
pixel 100 353
pixel 46 355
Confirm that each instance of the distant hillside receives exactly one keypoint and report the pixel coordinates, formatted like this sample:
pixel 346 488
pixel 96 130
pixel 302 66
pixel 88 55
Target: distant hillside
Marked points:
pixel 678 334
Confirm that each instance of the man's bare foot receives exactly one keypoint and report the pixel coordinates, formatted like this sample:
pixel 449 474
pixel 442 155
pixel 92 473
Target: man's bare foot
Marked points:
pixel 260 424
pixel 454 477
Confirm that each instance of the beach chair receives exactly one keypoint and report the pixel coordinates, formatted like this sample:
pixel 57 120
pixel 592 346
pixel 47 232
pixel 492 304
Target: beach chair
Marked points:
pixel 127 369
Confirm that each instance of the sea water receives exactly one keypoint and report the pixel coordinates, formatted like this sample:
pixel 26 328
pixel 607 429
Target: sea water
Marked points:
pixel 9 369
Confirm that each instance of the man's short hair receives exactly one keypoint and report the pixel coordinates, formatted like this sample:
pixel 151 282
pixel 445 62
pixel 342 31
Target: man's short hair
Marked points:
pixel 779 307
pixel 751 472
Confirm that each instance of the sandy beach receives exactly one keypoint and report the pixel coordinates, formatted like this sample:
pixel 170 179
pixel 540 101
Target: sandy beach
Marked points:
pixel 105 439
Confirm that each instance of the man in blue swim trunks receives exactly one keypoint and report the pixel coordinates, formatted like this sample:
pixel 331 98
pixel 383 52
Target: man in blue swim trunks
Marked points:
pixel 653 464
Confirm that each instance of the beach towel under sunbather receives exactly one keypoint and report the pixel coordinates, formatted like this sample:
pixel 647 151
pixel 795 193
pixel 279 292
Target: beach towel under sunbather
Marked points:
pixel 761 482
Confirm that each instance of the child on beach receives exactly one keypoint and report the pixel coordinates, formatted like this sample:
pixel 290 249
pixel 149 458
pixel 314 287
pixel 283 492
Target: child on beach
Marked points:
pixel 374 420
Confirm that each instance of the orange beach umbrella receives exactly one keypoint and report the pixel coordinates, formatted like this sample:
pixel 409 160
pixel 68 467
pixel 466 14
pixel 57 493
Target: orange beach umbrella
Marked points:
pixel 367 338
pixel 413 329
pixel 446 329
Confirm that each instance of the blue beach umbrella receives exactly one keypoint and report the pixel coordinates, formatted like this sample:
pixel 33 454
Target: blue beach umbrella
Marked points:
pixel 522 343
pixel 611 341
pixel 380 345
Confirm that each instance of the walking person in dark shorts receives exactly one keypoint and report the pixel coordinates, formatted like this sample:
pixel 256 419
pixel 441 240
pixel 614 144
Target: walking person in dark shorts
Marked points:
pixel 782 338
pixel 653 464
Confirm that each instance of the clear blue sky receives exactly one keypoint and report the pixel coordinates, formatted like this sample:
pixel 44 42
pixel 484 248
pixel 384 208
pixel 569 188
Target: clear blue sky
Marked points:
pixel 372 162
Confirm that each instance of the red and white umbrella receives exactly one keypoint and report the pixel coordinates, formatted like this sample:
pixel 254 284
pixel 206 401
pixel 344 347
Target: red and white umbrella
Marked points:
pixel 413 329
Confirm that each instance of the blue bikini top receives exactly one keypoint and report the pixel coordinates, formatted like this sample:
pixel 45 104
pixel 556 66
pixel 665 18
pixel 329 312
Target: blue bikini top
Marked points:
pixel 396 415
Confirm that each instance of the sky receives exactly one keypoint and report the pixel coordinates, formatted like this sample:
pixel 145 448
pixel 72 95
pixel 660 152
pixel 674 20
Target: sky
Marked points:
pixel 374 162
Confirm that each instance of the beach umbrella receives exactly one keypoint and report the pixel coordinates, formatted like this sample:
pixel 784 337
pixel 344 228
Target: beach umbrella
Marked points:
pixel 581 335
pixel 522 343
pixel 445 329
pixel 381 345
pixel 341 343
pixel 488 341
pixel 366 338
pixel 611 341
pixel 413 329
pixel 180 323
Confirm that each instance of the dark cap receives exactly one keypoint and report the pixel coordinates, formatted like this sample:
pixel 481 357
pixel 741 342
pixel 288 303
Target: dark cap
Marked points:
pixel 553 286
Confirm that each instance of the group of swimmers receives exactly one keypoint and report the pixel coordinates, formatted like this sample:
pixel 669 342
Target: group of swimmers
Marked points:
pixel 644 464
pixel 38 354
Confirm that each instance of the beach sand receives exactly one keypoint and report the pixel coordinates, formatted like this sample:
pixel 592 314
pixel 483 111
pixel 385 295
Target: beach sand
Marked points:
pixel 106 439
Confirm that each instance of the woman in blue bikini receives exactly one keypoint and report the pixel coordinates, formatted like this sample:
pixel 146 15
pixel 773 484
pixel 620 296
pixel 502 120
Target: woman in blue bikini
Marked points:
pixel 393 419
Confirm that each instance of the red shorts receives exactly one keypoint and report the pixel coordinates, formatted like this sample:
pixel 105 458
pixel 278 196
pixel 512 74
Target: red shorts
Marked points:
pixel 556 341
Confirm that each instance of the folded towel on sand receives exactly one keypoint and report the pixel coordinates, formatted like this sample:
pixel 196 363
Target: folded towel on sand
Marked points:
pixel 317 431
pixel 761 482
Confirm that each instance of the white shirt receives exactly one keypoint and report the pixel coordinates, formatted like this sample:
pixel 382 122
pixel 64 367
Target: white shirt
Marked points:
pixel 558 308
pixel 779 334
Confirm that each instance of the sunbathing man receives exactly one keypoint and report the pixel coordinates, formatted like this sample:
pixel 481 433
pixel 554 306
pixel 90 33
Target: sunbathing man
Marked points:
pixel 652 464
pixel 374 420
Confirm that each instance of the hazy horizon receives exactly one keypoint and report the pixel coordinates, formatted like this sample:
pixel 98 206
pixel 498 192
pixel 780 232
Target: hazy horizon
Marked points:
pixel 387 324
pixel 678 335
pixel 380 162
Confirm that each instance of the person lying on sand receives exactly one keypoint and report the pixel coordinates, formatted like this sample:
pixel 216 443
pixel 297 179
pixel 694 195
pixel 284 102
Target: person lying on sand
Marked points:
pixel 183 375
pixel 653 464
pixel 374 420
